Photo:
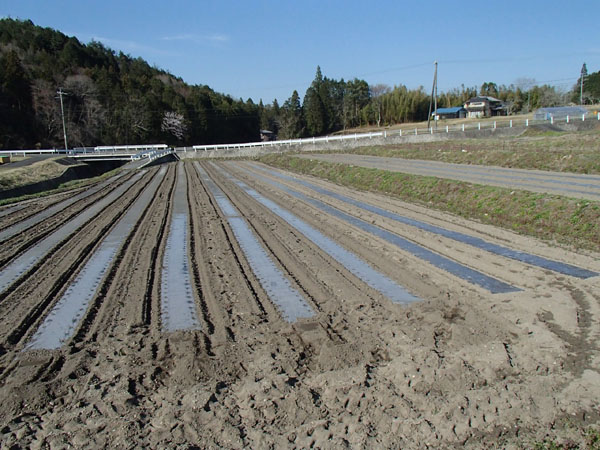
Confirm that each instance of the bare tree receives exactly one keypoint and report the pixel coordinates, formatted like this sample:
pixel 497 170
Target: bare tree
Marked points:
pixel 47 109
pixel 174 123
pixel 85 114
pixel 377 91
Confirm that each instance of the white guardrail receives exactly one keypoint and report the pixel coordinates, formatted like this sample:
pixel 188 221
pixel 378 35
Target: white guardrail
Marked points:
pixel 158 150
pixel 152 154
pixel 506 123
pixel 135 150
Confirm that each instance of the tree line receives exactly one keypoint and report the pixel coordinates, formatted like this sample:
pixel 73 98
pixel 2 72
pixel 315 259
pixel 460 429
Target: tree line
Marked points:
pixel 113 98
pixel 331 105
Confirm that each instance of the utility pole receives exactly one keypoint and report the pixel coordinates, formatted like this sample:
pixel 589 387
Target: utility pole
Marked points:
pixel 433 97
pixel 583 75
pixel 60 93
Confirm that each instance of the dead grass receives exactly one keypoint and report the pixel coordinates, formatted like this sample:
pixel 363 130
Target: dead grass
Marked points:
pixel 546 150
pixel 565 220
pixel 21 176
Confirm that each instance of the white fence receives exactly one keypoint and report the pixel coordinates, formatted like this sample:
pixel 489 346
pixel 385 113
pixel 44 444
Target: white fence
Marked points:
pixel 436 129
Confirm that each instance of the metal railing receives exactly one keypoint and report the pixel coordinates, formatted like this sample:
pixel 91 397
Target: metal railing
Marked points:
pixel 100 150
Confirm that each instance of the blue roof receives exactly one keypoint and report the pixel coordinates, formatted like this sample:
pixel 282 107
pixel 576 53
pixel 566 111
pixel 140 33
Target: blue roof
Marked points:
pixel 452 110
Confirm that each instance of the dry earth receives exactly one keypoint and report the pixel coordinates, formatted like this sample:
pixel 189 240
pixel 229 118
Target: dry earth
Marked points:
pixel 460 368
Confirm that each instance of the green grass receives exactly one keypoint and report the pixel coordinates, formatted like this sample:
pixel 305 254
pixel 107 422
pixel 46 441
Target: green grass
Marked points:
pixel 565 220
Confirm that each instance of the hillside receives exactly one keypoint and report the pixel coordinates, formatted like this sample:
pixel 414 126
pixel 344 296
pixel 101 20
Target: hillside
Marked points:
pixel 111 97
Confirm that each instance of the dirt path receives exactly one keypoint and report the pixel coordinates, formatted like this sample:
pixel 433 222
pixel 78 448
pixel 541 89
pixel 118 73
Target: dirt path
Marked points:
pixel 567 184
pixel 459 367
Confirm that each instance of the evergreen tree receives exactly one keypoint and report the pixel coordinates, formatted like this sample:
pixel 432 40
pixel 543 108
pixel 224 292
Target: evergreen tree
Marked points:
pixel 314 108
pixel 291 122
pixel 15 101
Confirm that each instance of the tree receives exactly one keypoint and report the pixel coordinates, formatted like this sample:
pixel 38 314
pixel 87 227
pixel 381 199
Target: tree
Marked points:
pixel 377 92
pixel 489 89
pixel 315 114
pixel 291 121
pixel 85 114
pixel 591 88
pixel 356 98
pixel 174 123
pixel 15 101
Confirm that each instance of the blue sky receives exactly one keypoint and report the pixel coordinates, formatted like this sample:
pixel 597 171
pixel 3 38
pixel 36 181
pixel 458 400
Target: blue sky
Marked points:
pixel 264 49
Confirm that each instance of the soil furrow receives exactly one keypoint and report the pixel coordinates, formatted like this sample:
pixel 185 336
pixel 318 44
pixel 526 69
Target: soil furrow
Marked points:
pixel 18 243
pixel 89 235
pixel 462 367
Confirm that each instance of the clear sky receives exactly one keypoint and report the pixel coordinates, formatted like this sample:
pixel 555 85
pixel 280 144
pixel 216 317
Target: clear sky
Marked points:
pixel 264 49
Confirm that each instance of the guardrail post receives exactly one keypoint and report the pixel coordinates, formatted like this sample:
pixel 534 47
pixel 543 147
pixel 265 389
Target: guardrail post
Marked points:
pixel 510 123
pixel 401 128
pixel 416 132
pixel 479 125
pixel 526 122
pixel 583 117
pixel 447 130
pixel 463 127
pixel 384 134
pixel 494 124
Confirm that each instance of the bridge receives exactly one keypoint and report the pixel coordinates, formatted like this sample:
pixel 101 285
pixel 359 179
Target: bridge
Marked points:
pixel 137 155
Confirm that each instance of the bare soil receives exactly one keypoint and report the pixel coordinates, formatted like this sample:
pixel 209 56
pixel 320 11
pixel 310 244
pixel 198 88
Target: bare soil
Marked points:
pixel 461 368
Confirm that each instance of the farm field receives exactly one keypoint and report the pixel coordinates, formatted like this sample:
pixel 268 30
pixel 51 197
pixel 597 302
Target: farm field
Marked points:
pixel 230 304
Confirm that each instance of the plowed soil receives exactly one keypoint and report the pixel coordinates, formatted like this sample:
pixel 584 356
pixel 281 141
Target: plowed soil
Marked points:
pixel 460 368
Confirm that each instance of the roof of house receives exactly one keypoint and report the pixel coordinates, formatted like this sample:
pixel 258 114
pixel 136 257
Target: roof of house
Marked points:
pixel 483 98
pixel 452 110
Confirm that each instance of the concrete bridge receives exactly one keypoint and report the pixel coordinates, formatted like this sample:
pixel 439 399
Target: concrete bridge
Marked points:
pixel 137 156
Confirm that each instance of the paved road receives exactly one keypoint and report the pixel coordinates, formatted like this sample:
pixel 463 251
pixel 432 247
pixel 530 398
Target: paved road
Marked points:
pixel 567 184
pixel 26 162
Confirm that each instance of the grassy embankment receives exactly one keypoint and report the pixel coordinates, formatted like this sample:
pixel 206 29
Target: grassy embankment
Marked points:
pixel 568 221
pixel 40 171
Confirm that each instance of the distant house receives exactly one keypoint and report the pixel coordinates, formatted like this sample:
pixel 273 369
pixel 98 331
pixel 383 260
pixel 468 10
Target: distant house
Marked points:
pixel 266 135
pixel 456 112
pixel 485 107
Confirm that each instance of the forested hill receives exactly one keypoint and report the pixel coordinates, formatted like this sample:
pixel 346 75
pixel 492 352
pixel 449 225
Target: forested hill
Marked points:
pixel 111 98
